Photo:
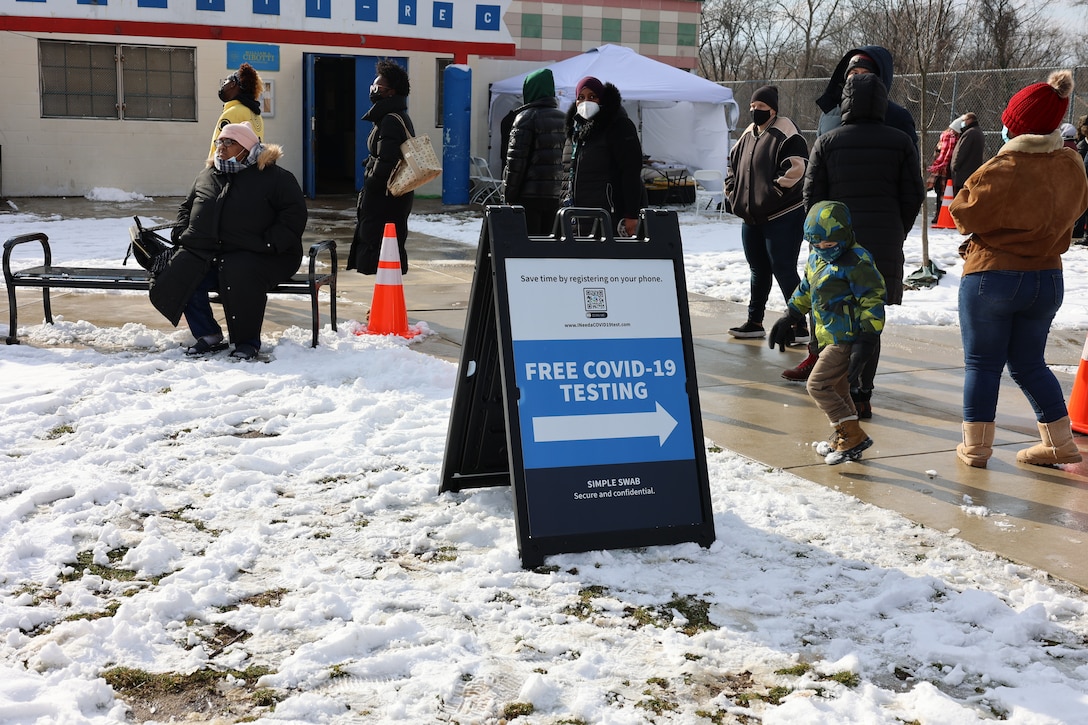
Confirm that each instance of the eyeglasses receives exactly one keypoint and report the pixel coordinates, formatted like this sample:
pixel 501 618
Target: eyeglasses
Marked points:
pixel 228 80
pixel 225 142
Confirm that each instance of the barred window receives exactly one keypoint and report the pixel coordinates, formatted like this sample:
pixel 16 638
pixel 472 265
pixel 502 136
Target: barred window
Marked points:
pixel 103 80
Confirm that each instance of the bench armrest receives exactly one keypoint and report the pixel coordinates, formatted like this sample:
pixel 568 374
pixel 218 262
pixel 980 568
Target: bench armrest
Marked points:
pixel 328 246
pixel 12 243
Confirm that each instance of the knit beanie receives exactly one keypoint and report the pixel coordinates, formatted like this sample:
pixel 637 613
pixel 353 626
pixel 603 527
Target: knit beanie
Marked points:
pixel 1040 107
pixel 862 61
pixel 767 94
pixel 592 84
pixel 242 132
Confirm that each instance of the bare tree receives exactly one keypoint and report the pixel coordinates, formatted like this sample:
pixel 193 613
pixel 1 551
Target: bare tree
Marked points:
pixel 726 39
pixel 1015 34
pixel 813 23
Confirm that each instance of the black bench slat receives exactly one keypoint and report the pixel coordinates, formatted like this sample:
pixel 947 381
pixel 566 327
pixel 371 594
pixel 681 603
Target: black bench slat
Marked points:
pixel 48 276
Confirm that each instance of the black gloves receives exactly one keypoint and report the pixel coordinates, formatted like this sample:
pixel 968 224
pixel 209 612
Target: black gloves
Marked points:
pixel 863 349
pixel 782 333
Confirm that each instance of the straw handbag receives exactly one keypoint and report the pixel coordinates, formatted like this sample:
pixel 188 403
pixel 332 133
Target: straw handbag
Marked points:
pixel 418 164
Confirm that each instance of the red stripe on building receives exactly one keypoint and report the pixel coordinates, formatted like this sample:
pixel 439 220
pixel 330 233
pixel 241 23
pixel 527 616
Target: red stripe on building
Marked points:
pixel 79 26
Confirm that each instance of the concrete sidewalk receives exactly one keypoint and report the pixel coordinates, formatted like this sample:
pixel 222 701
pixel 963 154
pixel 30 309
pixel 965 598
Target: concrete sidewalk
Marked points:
pixel 1027 514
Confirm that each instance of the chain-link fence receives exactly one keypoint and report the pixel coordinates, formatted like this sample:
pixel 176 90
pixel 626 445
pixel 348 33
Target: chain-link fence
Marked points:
pixel 947 96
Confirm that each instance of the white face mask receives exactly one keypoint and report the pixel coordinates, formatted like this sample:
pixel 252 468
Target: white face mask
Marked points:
pixel 588 109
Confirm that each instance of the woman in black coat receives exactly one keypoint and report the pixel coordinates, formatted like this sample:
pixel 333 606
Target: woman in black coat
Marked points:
pixel 605 155
pixel 873 169
pixel 239 232
pixel 376 206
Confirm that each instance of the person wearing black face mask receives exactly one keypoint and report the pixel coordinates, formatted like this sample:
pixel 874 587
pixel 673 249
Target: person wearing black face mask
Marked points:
pixel 239 93
pixel 376 207
pixel 763 185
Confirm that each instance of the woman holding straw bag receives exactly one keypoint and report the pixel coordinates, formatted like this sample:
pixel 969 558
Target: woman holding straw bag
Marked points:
pixel 376 206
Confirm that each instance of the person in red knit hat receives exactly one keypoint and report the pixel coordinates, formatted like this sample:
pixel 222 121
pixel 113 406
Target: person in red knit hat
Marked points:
pixel 1018 208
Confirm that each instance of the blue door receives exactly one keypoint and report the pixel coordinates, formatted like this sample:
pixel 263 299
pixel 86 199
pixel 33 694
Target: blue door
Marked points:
pixel 335 96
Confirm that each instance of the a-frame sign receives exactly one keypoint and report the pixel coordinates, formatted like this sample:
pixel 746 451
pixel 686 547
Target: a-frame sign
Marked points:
pixel 577 385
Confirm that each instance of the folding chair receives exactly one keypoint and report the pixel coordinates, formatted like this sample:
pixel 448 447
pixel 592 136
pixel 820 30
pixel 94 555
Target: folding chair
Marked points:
pixel 709 192
pixel 485 187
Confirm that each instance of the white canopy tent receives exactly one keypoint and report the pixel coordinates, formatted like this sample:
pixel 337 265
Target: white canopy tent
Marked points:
pixel 682 118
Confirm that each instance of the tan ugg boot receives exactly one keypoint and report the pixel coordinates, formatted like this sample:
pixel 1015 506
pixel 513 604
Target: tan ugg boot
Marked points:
pixel 978 444
pixel 1057 445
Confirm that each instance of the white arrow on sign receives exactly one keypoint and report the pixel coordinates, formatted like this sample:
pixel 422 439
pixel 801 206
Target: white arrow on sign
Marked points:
pixel 556 428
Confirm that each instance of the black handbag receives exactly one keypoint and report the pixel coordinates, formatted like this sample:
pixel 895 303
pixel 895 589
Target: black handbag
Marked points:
pixel 150 250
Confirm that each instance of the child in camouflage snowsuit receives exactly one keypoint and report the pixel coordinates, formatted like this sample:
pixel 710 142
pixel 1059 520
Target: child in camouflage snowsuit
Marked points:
pixel 845 292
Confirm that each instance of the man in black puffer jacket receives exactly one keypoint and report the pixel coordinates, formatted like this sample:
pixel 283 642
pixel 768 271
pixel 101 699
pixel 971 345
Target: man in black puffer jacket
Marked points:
pixel 873 169
pixel 239 232
pixel 866 59
pixel 533 176
pixel 605 155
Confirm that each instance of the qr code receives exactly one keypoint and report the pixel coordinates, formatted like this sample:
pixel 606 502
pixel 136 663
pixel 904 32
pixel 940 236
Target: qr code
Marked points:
pixel 595 301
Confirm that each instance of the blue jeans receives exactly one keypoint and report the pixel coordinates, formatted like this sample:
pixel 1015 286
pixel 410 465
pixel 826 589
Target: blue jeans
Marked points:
pixel 198 311
pixel 771 250
pixel 1004 320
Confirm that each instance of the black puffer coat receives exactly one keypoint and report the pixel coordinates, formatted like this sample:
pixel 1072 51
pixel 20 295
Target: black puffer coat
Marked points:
pixel 896 116
pixel 605 159
pixel 250 223
pixel 534 155
pixel 873 169
pixel 376 206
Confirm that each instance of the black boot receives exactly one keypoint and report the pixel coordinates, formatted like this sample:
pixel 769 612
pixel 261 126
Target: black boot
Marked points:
pixel 862 401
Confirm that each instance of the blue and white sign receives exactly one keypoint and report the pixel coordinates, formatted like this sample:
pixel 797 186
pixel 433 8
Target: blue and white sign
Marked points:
pixel 602 394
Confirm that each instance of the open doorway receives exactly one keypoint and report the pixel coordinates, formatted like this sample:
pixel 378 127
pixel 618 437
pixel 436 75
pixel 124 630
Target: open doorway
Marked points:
pixel 335 125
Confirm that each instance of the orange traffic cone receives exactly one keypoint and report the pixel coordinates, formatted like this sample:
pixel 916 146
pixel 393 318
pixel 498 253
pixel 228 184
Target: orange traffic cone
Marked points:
pixel 388 314
pixel 944 218
pixel 1078 399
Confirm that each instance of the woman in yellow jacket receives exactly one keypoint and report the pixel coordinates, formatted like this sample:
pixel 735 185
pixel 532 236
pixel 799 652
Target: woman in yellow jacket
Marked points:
pixel 239 93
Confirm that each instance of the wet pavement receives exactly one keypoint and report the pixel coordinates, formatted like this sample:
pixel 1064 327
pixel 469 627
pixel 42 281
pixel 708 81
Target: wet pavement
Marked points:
pixel 1027 514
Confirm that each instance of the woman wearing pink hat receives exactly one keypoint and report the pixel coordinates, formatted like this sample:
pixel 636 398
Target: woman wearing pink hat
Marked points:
pixel 239 232
pixel 1018 208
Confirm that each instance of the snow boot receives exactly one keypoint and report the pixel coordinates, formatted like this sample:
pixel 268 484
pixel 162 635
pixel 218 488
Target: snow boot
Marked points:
pixel 852 441
pixel 978 444
pixel 1057 445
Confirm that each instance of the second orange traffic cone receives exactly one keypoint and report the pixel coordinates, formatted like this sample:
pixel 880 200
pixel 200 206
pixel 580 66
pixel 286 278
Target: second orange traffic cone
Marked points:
pixel 944 218
pixel 1078 399
pixel 388 314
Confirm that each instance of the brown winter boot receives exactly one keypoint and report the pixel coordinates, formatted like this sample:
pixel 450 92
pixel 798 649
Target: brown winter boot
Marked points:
pixel 852 441
pixel 978 444
pixel 1057 445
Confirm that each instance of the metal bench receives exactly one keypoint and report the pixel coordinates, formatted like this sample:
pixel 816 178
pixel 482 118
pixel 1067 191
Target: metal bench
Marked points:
pixel 47 276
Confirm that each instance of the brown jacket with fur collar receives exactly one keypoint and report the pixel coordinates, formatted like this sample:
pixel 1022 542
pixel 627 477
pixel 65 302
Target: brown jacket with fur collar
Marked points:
pixel 1019 207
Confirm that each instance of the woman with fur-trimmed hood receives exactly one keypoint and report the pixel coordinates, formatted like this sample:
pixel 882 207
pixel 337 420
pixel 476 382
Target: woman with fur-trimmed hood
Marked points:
pixel 239 93
pixel 239 232
pixel 1019 209
pixel 605 155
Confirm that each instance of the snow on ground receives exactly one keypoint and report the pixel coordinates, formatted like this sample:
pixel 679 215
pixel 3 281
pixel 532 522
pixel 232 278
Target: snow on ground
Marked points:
pixel 280 524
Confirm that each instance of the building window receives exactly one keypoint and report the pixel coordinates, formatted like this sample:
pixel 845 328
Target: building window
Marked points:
pixel 102 80
pixel 649 32
pixel 687 34
pixel 440 66
pixel 572 27
pixel 611 30
pixel 532 25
